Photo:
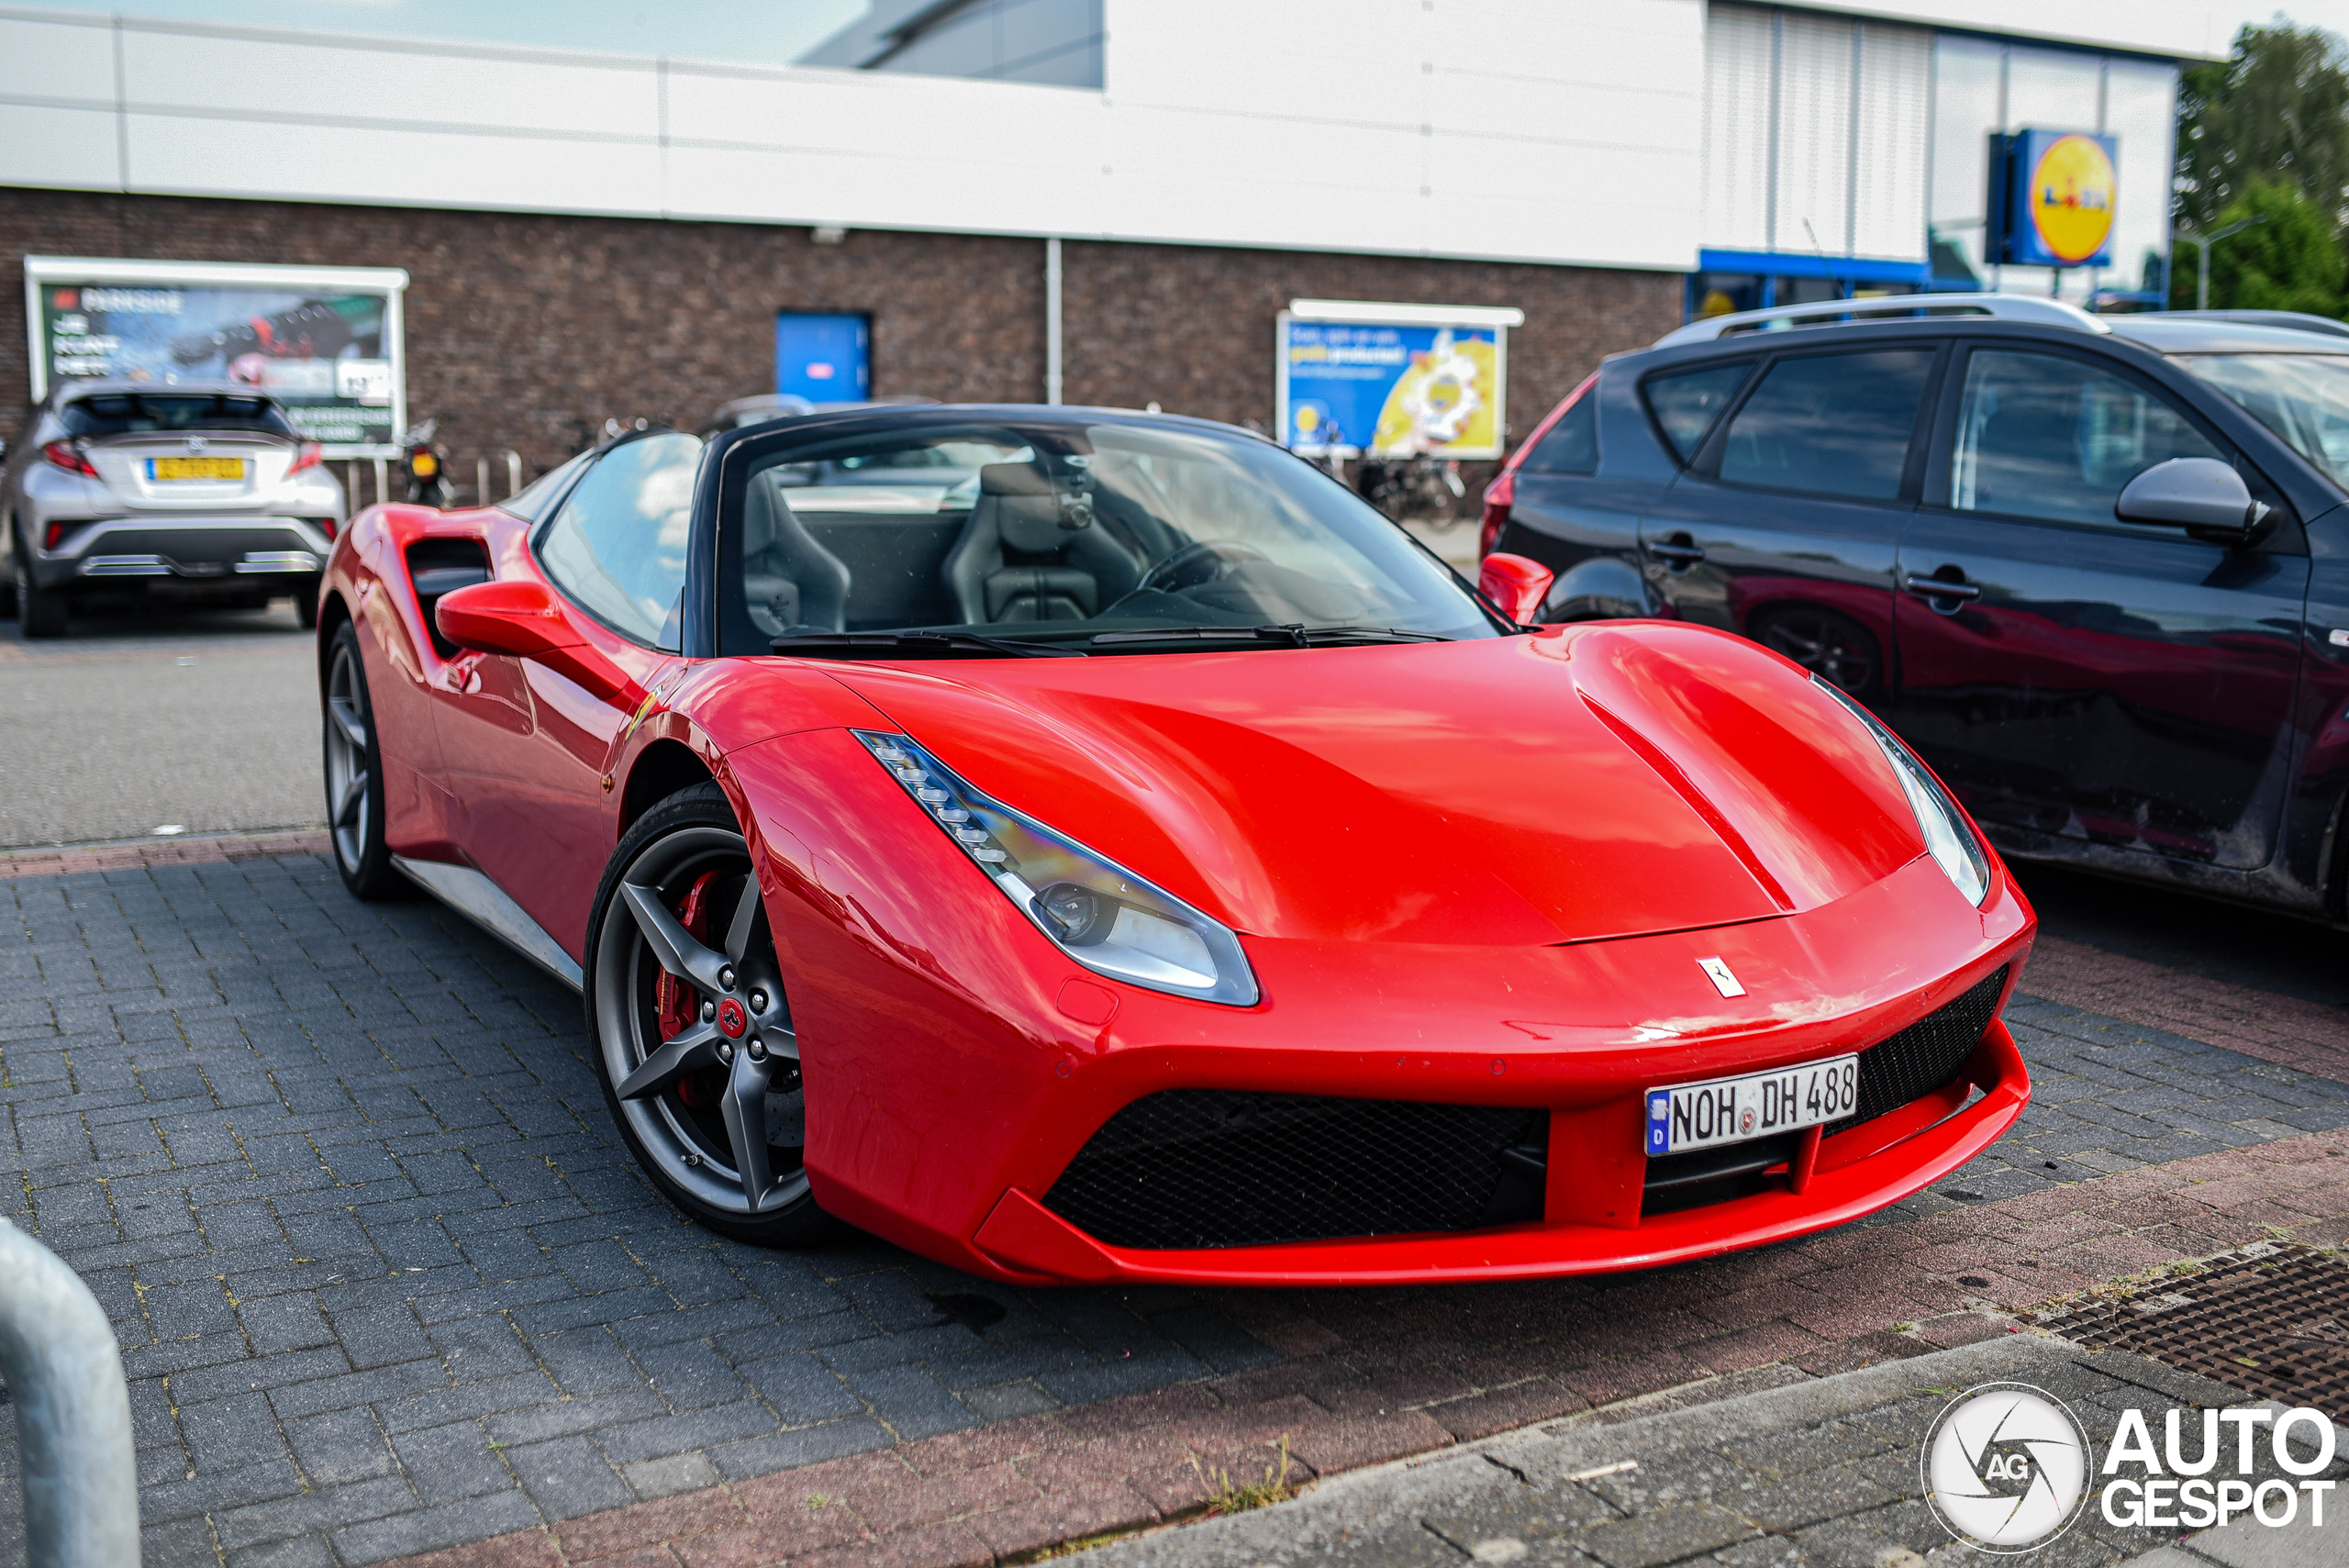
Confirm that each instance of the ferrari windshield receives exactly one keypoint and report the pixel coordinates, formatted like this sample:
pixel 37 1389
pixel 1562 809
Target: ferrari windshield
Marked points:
pixel 1093 537
pixel 2302 397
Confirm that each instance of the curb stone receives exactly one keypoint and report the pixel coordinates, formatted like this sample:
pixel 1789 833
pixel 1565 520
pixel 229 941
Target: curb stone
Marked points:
pixel 1427 1511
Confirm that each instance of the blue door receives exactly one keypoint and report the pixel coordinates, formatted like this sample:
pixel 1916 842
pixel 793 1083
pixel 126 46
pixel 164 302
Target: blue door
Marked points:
pixel 822 358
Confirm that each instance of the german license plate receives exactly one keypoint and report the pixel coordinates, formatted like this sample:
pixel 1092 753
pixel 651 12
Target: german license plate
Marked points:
pixel 1730 1110
pixel 168 468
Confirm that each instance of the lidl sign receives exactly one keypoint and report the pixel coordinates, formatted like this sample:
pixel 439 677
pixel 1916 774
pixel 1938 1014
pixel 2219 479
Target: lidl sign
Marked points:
pixel 2060 191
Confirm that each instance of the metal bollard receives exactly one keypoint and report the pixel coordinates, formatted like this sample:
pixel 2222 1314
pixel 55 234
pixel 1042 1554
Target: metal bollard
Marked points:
pixel 64 1375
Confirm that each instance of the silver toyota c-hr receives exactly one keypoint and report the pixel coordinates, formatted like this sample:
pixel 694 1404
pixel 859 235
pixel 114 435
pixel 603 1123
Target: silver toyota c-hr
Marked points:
pixel 199 491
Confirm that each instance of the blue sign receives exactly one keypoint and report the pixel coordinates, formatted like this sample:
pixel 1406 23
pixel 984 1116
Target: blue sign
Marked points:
pixel 823 359
pixel 1405 390
pixel 2060 190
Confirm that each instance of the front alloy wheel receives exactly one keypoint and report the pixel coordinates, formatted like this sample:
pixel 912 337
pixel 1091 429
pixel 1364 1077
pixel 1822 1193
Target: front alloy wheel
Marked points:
pixel 693 1032
pixel 355 779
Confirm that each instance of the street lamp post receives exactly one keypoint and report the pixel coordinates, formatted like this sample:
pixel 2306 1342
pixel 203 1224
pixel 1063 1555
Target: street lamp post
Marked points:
pixel 2202 243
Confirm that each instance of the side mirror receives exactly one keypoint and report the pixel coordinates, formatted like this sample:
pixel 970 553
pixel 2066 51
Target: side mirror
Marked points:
pixel 2204 497
pixel 1515 584
pixel 521 619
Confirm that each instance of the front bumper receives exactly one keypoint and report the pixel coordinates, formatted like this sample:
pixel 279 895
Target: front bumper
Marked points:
pixel 1858 1172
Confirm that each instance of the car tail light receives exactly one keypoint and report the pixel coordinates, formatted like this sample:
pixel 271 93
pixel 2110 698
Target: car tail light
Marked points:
pixel 54 534
pixel 325 526
pixel 309 456
pixel 1499 496
pixel 68 456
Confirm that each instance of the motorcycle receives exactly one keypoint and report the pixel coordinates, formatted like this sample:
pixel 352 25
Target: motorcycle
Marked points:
pixel 427 466
pixel 1411 489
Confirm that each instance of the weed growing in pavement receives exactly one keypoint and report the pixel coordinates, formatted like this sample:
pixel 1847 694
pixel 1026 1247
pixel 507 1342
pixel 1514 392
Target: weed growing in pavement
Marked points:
pixel 1228 1498
pixel 817 1499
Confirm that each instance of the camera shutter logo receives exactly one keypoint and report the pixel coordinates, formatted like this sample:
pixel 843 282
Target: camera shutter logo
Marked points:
pixel 2006 1467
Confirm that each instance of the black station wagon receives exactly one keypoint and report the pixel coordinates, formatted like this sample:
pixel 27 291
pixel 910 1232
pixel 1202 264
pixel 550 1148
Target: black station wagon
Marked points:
pixel 2095 569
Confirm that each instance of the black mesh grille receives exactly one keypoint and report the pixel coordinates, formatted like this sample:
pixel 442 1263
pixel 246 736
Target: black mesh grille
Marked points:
pixel 1924 1056
pixel 1220 1168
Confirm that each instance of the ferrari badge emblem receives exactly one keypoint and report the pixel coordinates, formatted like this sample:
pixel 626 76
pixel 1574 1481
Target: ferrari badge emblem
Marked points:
pixel 1720 974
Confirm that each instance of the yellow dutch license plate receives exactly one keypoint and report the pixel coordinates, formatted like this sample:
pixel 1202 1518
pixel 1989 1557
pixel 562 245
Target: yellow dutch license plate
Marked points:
pixel 162 468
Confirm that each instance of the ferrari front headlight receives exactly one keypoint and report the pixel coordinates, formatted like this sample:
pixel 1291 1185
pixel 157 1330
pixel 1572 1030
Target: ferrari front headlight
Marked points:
pixel 1947 836
pixel 1101 915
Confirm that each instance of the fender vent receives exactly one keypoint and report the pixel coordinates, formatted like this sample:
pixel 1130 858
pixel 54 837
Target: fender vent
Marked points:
pixel 438 566
pixel 1221 1168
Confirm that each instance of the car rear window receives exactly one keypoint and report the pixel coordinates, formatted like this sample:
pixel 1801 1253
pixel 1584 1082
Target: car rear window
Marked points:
pixel 1572 445
pixel 1830 423
pixel 1685 403
pixel 140 413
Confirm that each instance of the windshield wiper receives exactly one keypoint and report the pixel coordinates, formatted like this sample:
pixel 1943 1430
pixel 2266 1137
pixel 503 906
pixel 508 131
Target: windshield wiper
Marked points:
pixel 915 645
pixel 1292 635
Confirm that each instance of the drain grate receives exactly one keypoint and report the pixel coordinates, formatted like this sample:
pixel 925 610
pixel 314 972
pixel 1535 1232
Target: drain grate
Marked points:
pixel 2271 1321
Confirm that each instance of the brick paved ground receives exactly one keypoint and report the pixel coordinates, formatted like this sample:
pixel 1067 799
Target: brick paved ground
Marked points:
pixel 1820 1473
pixel 385 1282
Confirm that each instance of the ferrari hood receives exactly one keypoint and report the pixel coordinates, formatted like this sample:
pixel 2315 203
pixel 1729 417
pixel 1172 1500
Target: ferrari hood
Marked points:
pixel 1584 782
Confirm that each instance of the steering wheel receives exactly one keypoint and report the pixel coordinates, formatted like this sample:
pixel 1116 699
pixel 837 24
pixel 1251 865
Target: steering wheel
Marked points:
pixel 1197 564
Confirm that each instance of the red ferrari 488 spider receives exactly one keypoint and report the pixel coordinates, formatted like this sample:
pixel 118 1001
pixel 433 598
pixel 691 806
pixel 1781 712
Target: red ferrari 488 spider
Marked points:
pixel 1087 846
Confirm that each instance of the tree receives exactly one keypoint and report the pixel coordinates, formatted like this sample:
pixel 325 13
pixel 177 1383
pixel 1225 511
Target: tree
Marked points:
pixel 2291 261
pixel 2276 109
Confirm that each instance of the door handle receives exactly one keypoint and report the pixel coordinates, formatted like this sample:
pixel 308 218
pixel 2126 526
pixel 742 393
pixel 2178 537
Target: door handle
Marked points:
pixel 1678 554
pixel 1936 588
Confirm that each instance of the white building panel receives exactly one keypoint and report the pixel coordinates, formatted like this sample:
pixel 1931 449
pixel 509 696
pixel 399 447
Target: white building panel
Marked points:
pixel 287 77
pixel 1740 68
pixel 56 60
pixel 49 146
pixel 390 166
pixel 1888 177
pixel 1814 164
pixel 1364 63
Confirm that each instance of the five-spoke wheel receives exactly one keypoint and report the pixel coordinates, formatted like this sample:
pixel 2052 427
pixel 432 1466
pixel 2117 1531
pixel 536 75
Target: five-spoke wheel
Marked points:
pixel 354 781
pixel 693 1029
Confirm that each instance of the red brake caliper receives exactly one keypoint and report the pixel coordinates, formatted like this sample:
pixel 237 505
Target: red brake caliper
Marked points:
pixel 678 1004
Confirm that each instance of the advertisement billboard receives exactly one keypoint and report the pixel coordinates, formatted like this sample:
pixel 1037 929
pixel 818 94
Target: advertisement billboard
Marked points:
pixel 2061 190
pixel 325 341
pixel 1361 377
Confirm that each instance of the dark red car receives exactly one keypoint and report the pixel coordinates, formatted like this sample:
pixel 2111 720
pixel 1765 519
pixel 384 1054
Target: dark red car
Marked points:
pixel 1081 845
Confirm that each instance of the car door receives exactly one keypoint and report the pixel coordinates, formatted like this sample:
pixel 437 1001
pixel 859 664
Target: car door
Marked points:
pixel 527 747
pixel 1785 524
pixel 2120 685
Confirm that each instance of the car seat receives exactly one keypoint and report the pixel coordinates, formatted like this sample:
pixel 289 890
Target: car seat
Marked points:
pixel 790 581
pixel 1021 558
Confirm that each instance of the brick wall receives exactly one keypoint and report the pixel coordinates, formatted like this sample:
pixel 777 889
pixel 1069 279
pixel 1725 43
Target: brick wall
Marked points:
pixel 524 329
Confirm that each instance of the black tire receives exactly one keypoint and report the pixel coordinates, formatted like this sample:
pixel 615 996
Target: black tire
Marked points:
pixel 306 607
pixel 354 774
pixel 41 612
pixel 1826 643
pixel 687 1120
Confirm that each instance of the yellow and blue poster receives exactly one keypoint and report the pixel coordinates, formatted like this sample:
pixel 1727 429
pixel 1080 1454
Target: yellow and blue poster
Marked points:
pixel 1393 388
pixel 2062 188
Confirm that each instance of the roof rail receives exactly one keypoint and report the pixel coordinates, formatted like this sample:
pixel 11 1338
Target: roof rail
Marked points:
pixel 2291 320
pixel 1829 311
